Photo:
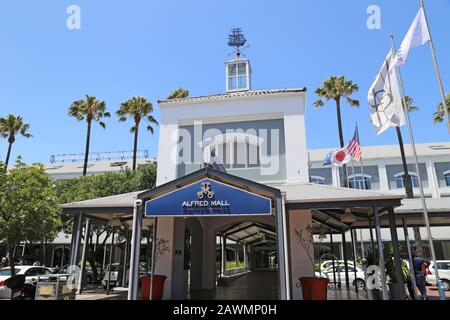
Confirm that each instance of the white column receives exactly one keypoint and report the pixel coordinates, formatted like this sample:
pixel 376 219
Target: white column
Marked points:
pixel 209 257
pixel 335 176
pixel 295 144
pixel 384 181
pixel 133 277
pixel 432 179
pixel 301 265
pixel 164 265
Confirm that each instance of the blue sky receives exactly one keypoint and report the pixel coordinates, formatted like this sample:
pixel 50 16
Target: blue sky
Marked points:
pixel 148 48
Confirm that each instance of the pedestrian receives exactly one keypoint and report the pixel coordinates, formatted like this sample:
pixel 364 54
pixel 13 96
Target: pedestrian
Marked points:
pixel 4 262
pixel 420 271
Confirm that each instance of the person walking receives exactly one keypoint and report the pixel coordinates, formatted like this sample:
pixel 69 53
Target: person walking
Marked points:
pixel 420 271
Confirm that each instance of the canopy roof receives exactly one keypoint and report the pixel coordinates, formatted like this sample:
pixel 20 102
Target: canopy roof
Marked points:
pixel 327 203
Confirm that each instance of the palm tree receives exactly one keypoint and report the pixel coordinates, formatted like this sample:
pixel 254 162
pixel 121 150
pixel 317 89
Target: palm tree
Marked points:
pixel 137 108
pixel 178 94
pixel 337 88
pixel 89 109
pixel 438 116
pixel 406 176
pixel 9 128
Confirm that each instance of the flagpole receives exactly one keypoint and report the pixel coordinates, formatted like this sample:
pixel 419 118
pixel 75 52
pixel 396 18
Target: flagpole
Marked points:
pixel 416 161
pixel 361 160
pixel 436 69
pixel 353 169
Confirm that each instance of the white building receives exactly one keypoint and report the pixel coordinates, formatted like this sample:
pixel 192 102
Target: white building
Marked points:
pixel 259 137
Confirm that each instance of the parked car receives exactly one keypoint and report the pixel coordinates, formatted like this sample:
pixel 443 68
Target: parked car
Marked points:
pixel 328 263
pixel 31 274
pixel 444 273
pixel 115 273
pixel 340 273
pixel 89 275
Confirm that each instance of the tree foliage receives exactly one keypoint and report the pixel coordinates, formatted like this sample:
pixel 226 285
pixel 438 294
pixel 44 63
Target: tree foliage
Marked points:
pixel 438 116
pixel 178 94
pixel 10 127
pixel 107 184
pixel 28 205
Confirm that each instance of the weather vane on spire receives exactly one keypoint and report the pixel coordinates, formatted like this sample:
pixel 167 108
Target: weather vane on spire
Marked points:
pixel 236 39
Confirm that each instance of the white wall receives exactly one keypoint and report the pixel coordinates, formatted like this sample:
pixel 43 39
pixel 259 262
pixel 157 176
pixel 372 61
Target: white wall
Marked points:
pixel 289 106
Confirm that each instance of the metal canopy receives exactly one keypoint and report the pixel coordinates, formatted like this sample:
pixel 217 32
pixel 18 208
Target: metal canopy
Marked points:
pixel 249 232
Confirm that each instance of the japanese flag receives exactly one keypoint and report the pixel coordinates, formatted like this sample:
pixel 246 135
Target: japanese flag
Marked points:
pixel 341 157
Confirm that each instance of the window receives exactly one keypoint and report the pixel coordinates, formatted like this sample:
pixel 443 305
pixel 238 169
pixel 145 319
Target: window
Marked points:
pixel 237 76
pixel 447 179
pixel 443 266
pixel 400 180
pixel 357 182
pixel 32 272
pixel 7 271
pixel 42 271
pixel 317 180
pixel 238 151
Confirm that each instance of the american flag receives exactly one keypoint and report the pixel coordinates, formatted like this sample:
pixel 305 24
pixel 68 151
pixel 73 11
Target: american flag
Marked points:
pixel 354 149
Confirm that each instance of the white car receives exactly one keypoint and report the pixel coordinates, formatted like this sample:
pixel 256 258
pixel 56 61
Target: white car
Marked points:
pixel 340 275
pixel 115 273
pixel 444 273
pixel 31 276
pixel 328 263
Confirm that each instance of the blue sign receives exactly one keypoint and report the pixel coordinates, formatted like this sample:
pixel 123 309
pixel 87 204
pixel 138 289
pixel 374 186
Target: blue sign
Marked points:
pixel 208 198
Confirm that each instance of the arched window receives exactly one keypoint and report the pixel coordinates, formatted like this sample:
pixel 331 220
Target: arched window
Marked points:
pixel 317 179
pixel 358 182
pixel 400 180
pixel 447 178
pixel 234 150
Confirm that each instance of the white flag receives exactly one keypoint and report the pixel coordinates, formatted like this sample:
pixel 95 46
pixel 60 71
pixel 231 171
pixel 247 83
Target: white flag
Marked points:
pixel 385 102
pixel 418 34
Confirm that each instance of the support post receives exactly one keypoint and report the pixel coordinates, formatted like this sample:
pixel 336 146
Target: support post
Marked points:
pixel 133 282
pixel 53 256
pixel 362 245
pixel 83 255
pixel 111 253
pixel 125 259
pixel 282 252
pixel 353 237
pixel 105 249
pixel 245 256
pixel 397 257
pixel 224 255
pixel 344 249
pixel 410 259
pixel 147 252
pixel 63 256
pixel 76 239
pixel 380 253
pixel 372 242
pixel 332 259
pixel 154 245
pixel 23 249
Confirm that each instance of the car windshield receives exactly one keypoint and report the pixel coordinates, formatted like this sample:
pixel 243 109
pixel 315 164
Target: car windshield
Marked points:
pixel 7 271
